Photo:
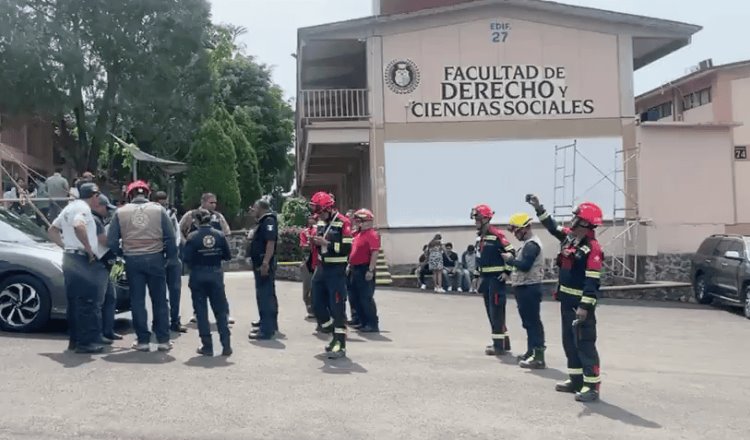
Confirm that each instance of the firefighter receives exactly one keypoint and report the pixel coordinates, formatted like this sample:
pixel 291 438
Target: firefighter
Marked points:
pixel 205 249
pixel 527 288
pixel 580 265
pixel 333 241
pixel 494 275
pixel 148 242
pixel 362 264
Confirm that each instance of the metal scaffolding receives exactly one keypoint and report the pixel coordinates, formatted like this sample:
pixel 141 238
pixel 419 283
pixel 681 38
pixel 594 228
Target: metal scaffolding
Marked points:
pixel 622 247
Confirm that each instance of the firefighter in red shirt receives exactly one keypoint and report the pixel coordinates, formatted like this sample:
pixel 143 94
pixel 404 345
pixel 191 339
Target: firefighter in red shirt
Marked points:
pixel 362 262
pixel 580 264
pixel 494 274
pixel 307 268
pixel 333 240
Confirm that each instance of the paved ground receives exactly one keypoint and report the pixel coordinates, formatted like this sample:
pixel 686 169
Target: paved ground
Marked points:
pixel 669 373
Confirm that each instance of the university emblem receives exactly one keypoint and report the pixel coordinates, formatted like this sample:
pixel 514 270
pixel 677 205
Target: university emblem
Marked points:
pixel 402 76
pixel 139 218
pixel 209 241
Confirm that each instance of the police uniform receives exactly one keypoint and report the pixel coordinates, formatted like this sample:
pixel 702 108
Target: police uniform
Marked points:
pixel 80 273
pixel 580 264
pixel 265 286
pixel 491 267
pixel 148 242
pixel 204 251
pixel 330 280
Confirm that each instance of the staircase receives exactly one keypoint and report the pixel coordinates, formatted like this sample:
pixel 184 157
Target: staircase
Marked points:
pixel 382 273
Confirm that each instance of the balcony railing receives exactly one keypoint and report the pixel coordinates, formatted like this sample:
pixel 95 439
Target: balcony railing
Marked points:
pixel 334 104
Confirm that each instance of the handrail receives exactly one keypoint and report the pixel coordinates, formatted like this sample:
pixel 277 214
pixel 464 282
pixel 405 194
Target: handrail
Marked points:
pixel 332 104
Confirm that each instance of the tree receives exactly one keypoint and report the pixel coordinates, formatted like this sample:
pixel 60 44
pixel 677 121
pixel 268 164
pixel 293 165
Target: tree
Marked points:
pixel 209 157
pixel 247 163
pixel 295 212
pixel 101 64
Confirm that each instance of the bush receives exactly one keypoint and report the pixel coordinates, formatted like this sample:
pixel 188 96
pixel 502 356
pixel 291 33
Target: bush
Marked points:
pixel 209 157
pixel 288 248
pixel 294 212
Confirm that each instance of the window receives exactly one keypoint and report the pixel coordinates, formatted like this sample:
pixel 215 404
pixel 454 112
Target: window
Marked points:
pixel 696 99
pixel 708 246
pixel 738 246
pixel 663 110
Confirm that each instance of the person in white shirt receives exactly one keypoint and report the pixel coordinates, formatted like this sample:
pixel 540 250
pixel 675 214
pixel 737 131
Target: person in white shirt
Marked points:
pixel 75 231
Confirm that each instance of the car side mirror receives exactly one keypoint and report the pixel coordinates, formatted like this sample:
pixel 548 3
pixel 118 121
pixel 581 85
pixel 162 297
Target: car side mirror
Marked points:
pixel 734 255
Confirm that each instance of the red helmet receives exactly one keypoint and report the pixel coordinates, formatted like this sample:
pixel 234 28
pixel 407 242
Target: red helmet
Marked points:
pixel 138 186
pixel 590 213
pixel 321 201
pixel 364 215
pixel 483 211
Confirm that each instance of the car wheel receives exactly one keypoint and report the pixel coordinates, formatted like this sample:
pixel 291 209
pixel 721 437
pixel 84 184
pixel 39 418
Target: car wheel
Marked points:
pixel 24 304
pixel 746 307
pixel 701 294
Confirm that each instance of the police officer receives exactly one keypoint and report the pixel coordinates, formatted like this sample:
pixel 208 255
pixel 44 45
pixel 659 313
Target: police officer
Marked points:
pixel 204 251
pixel 333 241
pixel 527 287
pixel 494 275
pixel 75 231
pixel 218 222
pixel 106 260
pixel 148 242
pixel 263 256
pixel 580 264
pixel 174 268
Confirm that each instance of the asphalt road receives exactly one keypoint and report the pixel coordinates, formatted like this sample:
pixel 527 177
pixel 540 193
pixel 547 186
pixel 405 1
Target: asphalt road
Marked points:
pixel 668 373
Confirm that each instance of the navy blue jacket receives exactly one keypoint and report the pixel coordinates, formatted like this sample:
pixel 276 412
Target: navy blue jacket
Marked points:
pixel 206 247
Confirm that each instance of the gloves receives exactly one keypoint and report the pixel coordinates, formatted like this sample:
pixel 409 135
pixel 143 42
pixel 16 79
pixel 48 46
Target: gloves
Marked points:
pixel 117 270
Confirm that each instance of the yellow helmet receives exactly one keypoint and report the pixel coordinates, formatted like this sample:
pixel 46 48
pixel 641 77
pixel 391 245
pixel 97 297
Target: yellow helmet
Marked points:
pixel 519 220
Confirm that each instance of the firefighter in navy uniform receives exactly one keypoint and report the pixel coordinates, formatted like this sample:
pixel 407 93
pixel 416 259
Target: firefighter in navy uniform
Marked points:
pixel 333 241
pixel 494 275
pixel 580 263
pixel 204 251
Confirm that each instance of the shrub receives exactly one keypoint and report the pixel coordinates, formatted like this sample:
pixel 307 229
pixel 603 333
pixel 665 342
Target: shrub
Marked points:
pixel 294 212
pixel 288 248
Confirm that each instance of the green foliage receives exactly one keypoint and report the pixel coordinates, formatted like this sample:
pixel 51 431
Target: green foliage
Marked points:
pixel 288 248
pixel 295 212
pixel 209 157
pixel 103 64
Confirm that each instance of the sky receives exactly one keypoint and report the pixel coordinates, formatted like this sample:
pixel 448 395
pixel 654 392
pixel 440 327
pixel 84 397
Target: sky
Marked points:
pixel 272 33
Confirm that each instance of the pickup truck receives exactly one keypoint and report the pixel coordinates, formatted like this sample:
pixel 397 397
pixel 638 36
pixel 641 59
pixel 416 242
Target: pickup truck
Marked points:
pixel 720 269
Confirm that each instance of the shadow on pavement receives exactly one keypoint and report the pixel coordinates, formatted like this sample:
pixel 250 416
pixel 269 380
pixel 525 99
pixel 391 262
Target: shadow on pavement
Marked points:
pixel 548 373
pixel 269 343
pixel 614 412
pixel 208 362
pixel 137 357
pixel 69 359
pixel 339 366
pixel 378 337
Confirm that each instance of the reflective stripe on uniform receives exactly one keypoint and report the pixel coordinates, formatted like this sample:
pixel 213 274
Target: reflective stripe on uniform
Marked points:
pixel 334 259
pixel 544 216
pixel 588 300
pixel 337 247
pixel 585 249
pixel 337 224
pixel 490 237
pixel 575 371
pixel 340 331
pixel 493 269
pixel 571 291
pixel 498 336
pixel 328 323
pixel 346 240
pixel 593 274
pixel 592 379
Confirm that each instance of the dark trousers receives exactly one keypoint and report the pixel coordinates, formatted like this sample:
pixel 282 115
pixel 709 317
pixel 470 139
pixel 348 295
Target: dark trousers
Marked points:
pixel 353 299
pixel 579 343
pixel 329 300
pixel 174 286
pixel 268 304
pixel 143 270
pixel 529 300
pixel 495 298
pixel 207 286
pixel 362 293
pixel 84 302
pixel 109 307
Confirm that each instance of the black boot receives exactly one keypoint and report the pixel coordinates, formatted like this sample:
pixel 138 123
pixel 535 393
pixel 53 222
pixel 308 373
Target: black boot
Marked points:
pixel 205 350
pixel 569 386
pixel 587 394
pixel 525 356
pixel 495 350
pixel 226 347
pixel 536 361
pixel 337 350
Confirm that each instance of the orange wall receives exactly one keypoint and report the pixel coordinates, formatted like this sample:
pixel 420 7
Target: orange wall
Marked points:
pixel 587 60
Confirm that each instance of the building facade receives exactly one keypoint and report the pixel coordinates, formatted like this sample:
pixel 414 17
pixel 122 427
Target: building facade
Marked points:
pixel 421 114
pixel 25 141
